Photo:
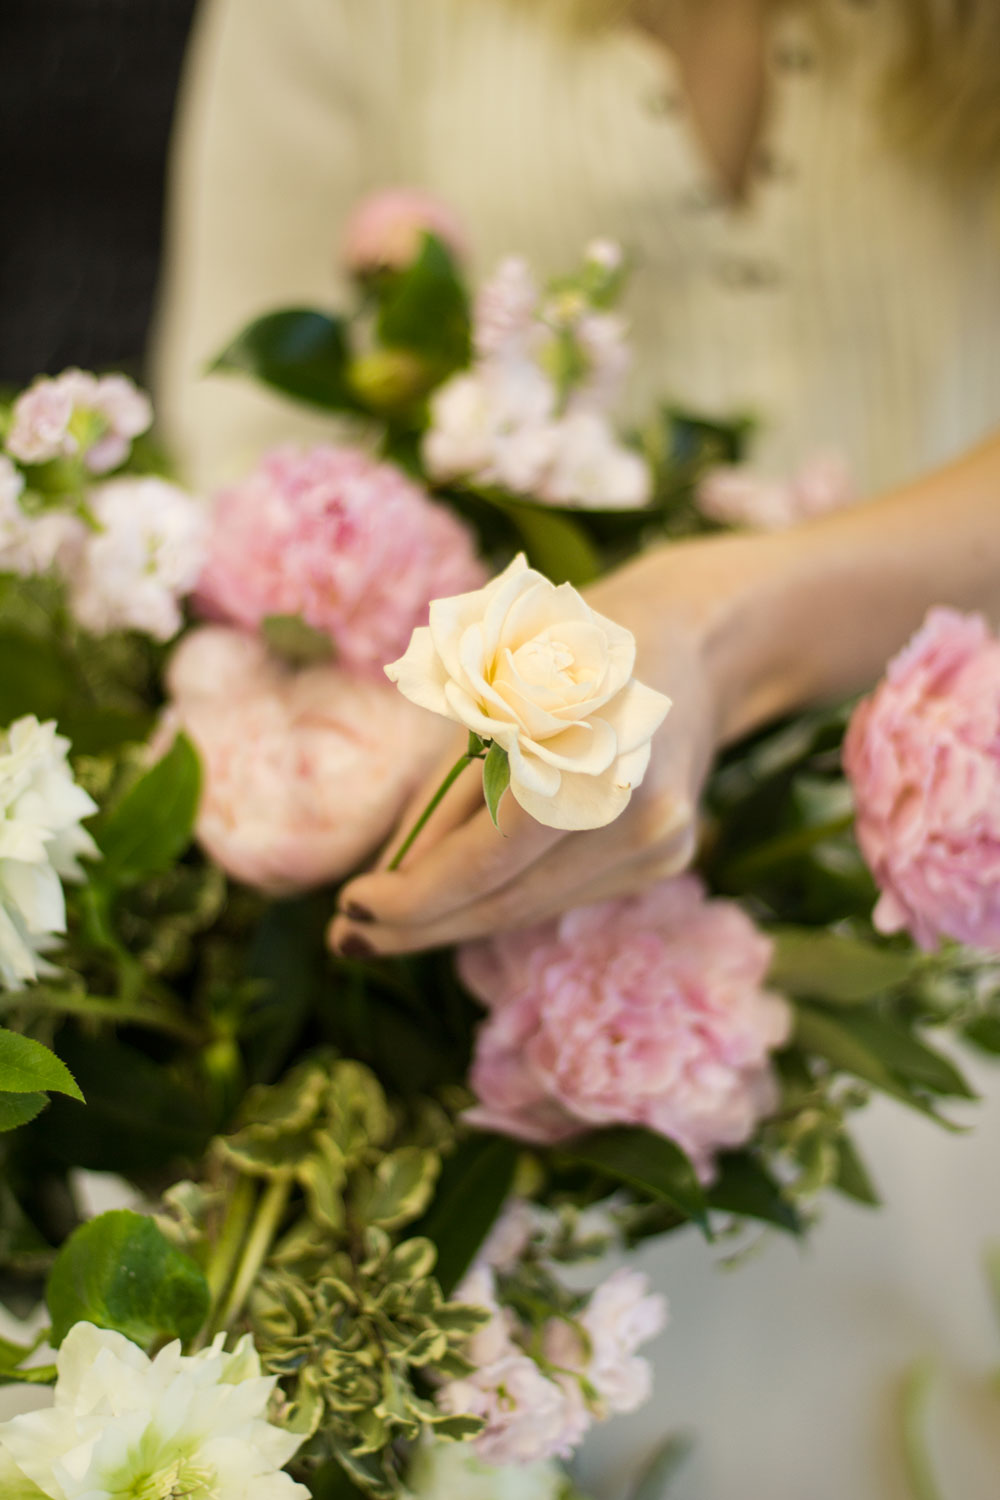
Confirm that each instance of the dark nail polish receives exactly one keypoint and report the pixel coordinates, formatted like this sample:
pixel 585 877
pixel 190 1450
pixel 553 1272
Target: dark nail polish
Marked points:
pixel 355 946
pixel 358 913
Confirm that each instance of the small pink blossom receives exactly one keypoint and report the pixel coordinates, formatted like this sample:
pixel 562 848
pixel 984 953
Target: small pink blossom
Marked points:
pixel 305 772
pixel 29 544
pixel 350 545
pixel 504 317
pixel 650 1010
pixel 43 427
pixel 528 1415
pixel 923 756
pixel 735 496
pixel 621 1315
pixel 143 557
pixel 385 231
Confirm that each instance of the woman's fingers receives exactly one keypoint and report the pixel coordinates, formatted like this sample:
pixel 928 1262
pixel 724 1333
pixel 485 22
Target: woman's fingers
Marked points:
pixel 461 868
pixel 571 874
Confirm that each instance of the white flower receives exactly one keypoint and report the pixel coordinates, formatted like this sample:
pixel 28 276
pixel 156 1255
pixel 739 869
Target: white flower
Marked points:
pixel 29 544
pixel 622 1314
pixel 528 1417
pixel 591 469
pixel 607 254
pixel 126 1426
pixel 41 843
pixel 45 419
pixel 146 556
pixel 535 669
pixel 494 426
pixel 454 1471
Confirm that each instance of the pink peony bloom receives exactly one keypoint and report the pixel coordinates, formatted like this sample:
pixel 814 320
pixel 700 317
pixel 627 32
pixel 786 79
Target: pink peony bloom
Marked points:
pixel 386 229
pixel 350 545
pixel 528 1416
pixel 735 496
pixel 305 772
pixel 42 426
pixel 923 756
pixel 144 557
pixel 621 1315
pixel 649 1010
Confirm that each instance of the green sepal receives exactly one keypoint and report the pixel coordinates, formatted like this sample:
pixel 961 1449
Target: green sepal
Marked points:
pixel 496 779
pixel 291 638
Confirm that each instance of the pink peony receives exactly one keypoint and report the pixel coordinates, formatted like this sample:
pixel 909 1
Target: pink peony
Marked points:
pixel 305 771
pixel 648 1010
pixel 350 545
pixel 735 496
pixel 621 1315
pixel 43 424
pixel 923 756
pixel 386 230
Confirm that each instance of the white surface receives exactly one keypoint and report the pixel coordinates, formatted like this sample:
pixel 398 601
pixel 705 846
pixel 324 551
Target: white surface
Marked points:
pixel 786 1369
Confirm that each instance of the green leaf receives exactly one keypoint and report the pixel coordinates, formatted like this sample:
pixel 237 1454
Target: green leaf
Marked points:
pixel 20 1109
pixel 291 638
pixel 816 964
pixel 853 1179
pixel 648 1162
pixel 298 351
pixel 119 1271
pixel 984 1033
pixel 744 1187
pixel 660 1468
pixel 833 1038
pixel 425 309
pixel 556 543
pixel 906 1055
pixel 496 778
pixel 399 1189
pixel 474 1184
pixel 25 1066
pixel 152 825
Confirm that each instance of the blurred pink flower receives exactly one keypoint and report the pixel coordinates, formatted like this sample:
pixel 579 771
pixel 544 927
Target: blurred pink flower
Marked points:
pixel 42 425
pixel 350 545
pixel 504 317
pixel 621 1315
pixel 735 496
pixel 650 1010
pixel 528 1415
pixel 923 756
pixel 386 229
pixel 305 772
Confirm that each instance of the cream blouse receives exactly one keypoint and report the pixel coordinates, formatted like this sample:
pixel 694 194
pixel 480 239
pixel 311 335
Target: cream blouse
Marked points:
pixel 852 300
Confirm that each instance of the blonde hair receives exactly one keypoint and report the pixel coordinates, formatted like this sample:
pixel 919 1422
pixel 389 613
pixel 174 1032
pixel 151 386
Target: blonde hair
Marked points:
pixel 942 94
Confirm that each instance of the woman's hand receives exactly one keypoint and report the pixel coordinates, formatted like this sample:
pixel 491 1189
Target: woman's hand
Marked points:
pixel 462 878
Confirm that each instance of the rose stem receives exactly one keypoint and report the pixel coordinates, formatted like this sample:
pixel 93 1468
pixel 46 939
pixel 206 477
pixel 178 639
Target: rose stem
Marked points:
pixel 449 780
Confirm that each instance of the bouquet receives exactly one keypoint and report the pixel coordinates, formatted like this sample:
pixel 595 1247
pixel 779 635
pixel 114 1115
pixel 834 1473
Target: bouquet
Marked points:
pixel 350 1190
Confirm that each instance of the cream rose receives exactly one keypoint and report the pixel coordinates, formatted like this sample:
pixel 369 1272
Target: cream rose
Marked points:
pixel 531 667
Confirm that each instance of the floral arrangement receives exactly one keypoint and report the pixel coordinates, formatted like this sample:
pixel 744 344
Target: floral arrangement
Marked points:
pixel 355 1186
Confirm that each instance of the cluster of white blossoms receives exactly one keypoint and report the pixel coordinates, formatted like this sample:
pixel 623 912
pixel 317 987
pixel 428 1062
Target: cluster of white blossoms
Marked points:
pixel 531 416
pixel 123 1425
pixel 131 548
pixel 41 844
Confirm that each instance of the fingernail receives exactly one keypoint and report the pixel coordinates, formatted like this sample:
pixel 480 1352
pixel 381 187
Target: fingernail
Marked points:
pixel 355 946
pixel 358 913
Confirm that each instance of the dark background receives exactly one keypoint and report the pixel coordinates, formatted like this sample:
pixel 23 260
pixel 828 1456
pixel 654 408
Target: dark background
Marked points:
pixel 87 92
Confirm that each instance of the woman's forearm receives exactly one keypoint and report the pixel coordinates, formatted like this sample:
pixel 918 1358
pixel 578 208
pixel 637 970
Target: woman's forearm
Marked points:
pixel 816 612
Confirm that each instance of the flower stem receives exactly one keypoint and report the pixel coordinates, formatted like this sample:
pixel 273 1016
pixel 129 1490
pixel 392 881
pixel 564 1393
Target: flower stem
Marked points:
pixel 786 846
pixel 912 1414
pixel 433 804
pixel 219 1271
pixel 270 1211
pixel 105 1008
